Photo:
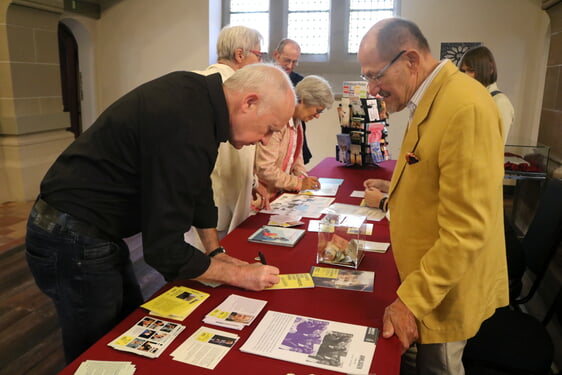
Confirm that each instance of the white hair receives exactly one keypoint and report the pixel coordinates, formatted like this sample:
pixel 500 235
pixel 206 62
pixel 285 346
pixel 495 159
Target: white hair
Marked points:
pixel 234 37
pixel 268 80
pixel 315 91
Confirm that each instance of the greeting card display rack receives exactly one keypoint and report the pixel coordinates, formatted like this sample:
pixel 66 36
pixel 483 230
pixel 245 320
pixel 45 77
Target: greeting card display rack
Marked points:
pixel 363 120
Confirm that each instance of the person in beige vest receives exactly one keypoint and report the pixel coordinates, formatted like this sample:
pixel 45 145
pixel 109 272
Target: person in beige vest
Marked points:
pixel 233 176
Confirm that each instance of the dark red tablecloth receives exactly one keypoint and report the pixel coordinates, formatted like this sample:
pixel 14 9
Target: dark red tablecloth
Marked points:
pixel 363 308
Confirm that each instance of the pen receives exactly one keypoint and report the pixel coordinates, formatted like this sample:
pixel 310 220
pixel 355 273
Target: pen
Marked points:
pixel 262 258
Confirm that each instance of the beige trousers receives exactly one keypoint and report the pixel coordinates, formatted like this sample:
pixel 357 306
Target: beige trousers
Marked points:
pixel 434 359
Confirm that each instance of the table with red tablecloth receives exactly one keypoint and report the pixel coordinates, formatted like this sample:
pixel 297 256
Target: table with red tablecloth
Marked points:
pixel 355 307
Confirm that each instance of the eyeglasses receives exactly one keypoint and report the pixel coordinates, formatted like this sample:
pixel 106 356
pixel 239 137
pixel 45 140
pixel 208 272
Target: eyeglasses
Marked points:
pixel 377 77
pixel 258 54
pixel 288 61
pixel 319 111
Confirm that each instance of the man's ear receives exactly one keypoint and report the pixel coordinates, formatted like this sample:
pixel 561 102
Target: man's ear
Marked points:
pixel 250 102
pixel 275 54
pixel 413 58
pixel 239 55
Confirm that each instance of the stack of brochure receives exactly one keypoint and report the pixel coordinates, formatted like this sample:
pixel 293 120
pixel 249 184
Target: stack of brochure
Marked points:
pixel 235 312
pixel 205 348
pixel 176 303
pixel 293 281
pixel 89 367
pixel 149 337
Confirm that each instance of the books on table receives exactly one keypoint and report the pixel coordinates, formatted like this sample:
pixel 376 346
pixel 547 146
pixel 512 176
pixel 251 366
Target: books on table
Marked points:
pixel 149 337
pixel 280 236
pixel 335 346
pixel 176 303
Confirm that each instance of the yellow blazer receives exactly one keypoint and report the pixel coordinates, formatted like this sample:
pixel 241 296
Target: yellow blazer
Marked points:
pixel 446 211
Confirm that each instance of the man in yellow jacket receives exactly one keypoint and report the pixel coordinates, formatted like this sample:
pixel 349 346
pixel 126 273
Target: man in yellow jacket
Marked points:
pixel 445 197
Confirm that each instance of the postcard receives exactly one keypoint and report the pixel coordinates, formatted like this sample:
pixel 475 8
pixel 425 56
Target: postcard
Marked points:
pixel 336 278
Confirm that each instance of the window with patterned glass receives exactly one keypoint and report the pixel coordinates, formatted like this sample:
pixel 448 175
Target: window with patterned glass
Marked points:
pixel 362 15
pixel 308 22
pixel 252 13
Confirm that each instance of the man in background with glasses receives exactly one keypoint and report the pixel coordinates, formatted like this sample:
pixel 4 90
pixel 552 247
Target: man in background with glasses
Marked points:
pixel 445 197
pixel 287 55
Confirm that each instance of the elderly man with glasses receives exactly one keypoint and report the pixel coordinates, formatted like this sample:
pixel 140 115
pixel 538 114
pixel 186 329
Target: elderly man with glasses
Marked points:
pixel 287 55
pixel 445 197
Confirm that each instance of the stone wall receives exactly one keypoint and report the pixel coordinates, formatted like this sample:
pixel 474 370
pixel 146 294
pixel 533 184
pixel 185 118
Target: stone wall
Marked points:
pixel 32 121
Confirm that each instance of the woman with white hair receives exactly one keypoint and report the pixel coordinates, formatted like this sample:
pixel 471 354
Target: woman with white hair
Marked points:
pixel 279 165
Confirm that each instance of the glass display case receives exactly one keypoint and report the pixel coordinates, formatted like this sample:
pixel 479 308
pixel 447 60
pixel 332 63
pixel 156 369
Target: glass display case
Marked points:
pixel 339 240
pixel 523 161
pixel 526 166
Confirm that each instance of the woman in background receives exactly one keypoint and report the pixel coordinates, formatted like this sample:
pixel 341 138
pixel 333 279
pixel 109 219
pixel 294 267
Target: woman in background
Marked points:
pixel 479 63
pixel 279 165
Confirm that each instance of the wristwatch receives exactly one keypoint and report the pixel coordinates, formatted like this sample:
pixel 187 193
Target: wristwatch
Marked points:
pixel 217 251
pixel 382 202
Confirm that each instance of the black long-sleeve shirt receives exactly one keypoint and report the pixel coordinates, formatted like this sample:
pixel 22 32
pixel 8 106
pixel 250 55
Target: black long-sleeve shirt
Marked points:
pixel 144 166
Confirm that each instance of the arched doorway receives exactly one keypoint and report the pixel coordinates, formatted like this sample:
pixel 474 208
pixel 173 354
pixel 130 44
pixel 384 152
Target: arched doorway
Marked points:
pixel 70 78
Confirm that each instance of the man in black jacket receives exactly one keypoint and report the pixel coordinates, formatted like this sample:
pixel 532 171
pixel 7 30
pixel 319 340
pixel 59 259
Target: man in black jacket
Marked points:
pixel 144 166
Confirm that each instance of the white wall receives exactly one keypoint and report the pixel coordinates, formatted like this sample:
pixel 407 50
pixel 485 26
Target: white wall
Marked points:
pixel 517 32
pixel 139 40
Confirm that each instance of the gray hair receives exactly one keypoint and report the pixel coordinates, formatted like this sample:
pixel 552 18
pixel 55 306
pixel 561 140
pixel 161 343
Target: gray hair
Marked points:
pixel 284 42
pixel 396 33
pixel 233 37
pixel 315 91
pixel 268 80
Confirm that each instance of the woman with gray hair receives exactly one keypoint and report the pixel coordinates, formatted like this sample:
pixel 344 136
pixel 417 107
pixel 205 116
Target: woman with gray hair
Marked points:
pixel 279 165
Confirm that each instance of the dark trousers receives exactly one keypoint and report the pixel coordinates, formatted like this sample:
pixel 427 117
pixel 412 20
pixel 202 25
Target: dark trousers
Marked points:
pixel 90 279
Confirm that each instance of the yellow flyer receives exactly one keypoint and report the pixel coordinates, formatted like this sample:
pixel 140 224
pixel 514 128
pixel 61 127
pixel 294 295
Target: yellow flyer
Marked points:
pixel 294 281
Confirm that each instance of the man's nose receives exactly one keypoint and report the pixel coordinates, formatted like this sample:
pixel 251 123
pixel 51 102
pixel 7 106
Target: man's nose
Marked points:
pixel 373 88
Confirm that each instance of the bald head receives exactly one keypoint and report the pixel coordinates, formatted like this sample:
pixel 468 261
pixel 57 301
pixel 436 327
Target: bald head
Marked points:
pixel 389 36
pixel 395 58
pixel 261 100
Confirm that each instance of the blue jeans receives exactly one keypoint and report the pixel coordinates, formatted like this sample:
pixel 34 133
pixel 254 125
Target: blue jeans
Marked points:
pixel 90 280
